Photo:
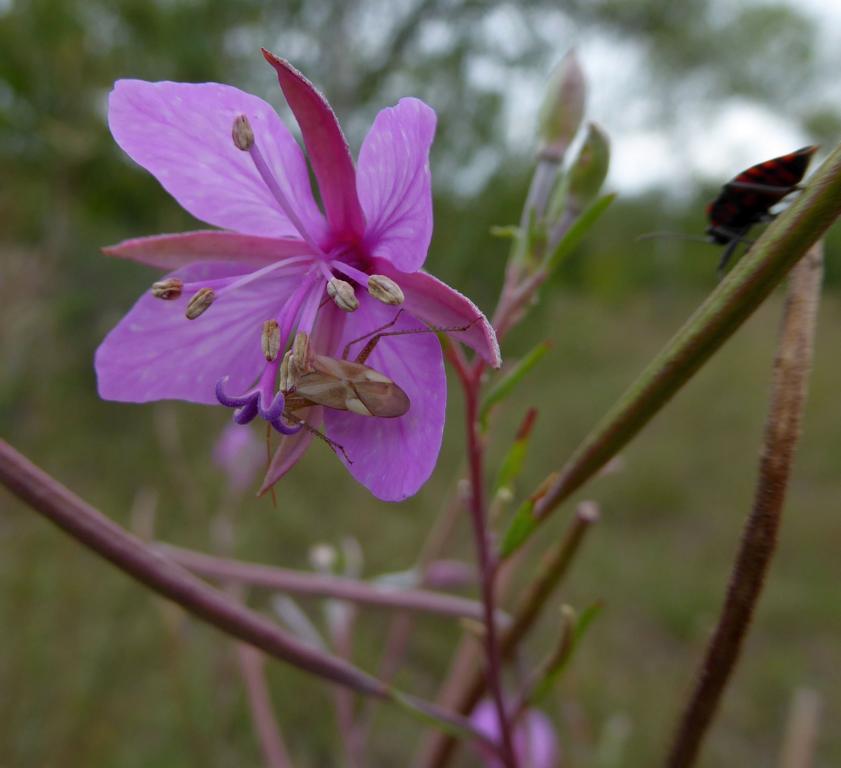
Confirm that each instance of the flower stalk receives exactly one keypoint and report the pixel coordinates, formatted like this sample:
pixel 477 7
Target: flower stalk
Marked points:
pixel 792 367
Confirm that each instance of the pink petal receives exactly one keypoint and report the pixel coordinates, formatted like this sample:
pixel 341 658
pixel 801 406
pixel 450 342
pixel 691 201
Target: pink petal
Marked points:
pixel 290 450
pixel 393 458
pixel 394 183
pixel 327 148
pixel 437 304
pixel 156 353
pixel 181 133
pixel 173 251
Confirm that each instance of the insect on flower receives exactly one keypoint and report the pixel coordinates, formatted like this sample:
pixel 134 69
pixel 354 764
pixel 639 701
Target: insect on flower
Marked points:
pixel 747 198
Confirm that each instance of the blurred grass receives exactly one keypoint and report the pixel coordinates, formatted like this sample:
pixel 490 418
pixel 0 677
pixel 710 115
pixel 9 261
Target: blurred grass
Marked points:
pixel 94 673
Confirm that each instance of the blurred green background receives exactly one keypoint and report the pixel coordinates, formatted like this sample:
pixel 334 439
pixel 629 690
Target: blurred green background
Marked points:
pixel 95 672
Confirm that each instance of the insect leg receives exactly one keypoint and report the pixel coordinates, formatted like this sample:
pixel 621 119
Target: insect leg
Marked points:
pixel 369 347
pixel 334 446
pixel 770 188
pixel 369 334
pixel 729 250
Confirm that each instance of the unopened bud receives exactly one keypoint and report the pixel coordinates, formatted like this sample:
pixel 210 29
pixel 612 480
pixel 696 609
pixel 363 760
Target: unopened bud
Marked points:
pixel 301 351
pixel 384 289
pixel 270 339
pixel 199 304
pixel 323 558
pixel 342 294
pixel 563 107
pixel 589 169
pixel 168 289
pixel 242 134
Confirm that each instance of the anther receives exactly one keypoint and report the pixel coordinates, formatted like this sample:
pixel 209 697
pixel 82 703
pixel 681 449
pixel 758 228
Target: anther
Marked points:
pixel 168 289
pixel 270 339
pixel 199 304
pixel 242 133
pixel 301 352
pixel 384 289
pixel 342 294
pixel 286 380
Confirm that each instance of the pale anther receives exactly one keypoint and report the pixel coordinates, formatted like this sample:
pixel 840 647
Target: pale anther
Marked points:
pixel 168 289
pixel 270 339
pixel 384 289
pixel 242 133
pixel 199 304
pixel 342 294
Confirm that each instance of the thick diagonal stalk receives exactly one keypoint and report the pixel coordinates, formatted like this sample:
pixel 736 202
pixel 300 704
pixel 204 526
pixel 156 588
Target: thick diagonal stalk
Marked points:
pixel 792 367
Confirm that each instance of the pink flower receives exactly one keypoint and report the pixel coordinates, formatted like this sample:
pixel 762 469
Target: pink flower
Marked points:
pixel 535 742
pixel 239 454
pixel 263 279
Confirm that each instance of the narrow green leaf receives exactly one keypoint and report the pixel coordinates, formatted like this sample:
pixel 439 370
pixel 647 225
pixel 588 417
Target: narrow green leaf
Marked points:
pixel 505 386
pixel 519 529
pixel 554 674
pixel 576 232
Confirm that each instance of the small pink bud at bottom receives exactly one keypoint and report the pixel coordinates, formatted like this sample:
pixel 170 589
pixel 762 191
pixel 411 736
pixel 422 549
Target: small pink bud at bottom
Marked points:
pixel 168 289
pixel 242 133
pixel 342 294
pixel 270 339
pixel 200 303
pixel 384 289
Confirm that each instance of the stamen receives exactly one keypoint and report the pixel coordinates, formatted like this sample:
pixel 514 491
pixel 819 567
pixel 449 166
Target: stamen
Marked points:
pixel 352 272
pixel 200 303
pixel 168 289
pixel 301 351
pixel 270 339
pixel 243 136
pixel 384 289
pixel 342 294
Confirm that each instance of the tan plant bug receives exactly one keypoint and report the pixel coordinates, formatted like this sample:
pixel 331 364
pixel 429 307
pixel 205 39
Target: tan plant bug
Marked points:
pixel 346 385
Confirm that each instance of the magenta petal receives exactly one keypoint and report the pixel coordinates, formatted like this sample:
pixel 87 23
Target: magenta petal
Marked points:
pixel 156 353
pixel 393 458
pixel 394 183
pixel 173 251
pixel 327 148
pixel 290 450
pixel 436 303
pixel 181 133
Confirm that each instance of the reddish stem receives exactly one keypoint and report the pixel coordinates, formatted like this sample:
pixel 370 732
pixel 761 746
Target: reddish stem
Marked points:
pixel 486 561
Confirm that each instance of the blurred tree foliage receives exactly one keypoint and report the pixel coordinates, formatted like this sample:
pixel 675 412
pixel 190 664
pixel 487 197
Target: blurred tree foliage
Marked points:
pixel 68 189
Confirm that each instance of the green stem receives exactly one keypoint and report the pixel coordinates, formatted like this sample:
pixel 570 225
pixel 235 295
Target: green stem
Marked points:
pixel 718 318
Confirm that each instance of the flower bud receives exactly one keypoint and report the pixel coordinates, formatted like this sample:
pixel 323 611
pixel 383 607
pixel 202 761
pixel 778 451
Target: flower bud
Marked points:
pixel 384 289
pixel 270 339
pixel 242 133
pixel 200 303
pixel 168 289
pixel 589 169
pixel 342 294
pixel 563 107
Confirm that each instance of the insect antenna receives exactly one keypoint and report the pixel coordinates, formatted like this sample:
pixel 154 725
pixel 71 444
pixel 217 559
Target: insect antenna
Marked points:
pixel 672 235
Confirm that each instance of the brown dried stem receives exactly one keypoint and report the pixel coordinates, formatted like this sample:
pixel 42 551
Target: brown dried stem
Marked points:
pixel 792 366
